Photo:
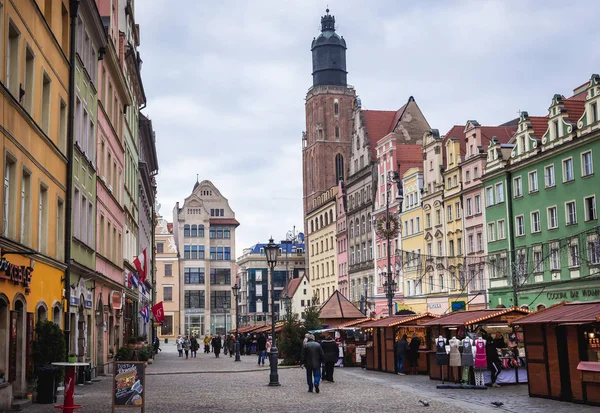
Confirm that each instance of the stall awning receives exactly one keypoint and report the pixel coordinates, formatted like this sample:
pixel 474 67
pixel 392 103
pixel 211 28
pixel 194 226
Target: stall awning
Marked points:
pixel 564 313
pixel 395 320
pixel 247 329
pixel 268 328
pixel 354 323
pixel 467 318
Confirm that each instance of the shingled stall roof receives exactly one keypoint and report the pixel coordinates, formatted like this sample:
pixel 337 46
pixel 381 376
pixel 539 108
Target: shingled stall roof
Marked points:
pixel 338 306
pixel 564 313
pixel 466 318
pixel 395 320
pixel 247 329
pixel 267 328
pixel 354 323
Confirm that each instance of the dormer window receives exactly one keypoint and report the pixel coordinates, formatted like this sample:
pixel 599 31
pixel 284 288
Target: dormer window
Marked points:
pixel 556 131
pixel 521 145
pixel 594 109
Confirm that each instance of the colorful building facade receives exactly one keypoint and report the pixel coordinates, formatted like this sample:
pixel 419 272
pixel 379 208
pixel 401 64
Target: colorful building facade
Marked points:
pixel 167 279
pixel 342 240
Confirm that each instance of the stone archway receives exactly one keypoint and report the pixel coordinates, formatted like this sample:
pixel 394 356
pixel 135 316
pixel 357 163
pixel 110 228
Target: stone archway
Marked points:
pixel 17 344
pixel 41 312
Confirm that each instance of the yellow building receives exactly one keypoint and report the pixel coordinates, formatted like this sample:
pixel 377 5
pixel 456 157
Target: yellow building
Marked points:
pixel 34 75
pixel 322 249
pixel 412 242
pixel 167 279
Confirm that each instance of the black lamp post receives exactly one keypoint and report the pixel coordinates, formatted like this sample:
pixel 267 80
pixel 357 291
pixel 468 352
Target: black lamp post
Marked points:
pixel 271 251
pixel 236 294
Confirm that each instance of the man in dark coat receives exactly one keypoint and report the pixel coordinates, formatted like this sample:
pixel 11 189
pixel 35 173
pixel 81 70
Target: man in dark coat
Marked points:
pixel 413 353
pixel 216 345
pixel 194 346
pixel 311 357
pixel 261 348
pixel 242 340
pixel 330 348
pixel 401 351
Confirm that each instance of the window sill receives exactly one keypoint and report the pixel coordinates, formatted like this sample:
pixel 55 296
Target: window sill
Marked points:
pixel 534 192
pixel 591 219
pixel 551 186
pixel 538 232
pixel 552 229
pixel 569 181
pixel 571 224
pixel 518 196
pixel 587 176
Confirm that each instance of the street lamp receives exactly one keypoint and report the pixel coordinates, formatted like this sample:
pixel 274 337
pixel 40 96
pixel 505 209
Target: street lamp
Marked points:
pixel 389 227
pixel 271 251
pixel 236 294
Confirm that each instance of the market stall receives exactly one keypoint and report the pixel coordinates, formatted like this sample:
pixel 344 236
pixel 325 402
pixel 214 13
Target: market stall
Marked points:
pixel 337 310
pixel 461 329
pixel 562 344
pixel 382 335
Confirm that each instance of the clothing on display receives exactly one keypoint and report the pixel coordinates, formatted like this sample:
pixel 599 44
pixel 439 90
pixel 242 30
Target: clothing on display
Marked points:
pixel 441 356
pixel 480 356
pixel 455 357
pixel 467 353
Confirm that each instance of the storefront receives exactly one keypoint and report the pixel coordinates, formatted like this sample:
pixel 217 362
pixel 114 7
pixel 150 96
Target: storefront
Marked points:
pixel 383 334
pixel 30 291
pixel 438 305
pixel 492 323
pixel 562 344
pixel 576 290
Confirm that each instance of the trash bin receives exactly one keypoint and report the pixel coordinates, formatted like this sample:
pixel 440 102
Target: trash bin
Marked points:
pixel 46 384
pixel 363 361
pixel 166 341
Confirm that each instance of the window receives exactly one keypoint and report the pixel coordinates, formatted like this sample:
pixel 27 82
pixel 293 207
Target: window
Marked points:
pixel 13 59
pixel 500 192
pixel 451 248
pixel 554 257
pixel 477 204
pixel 428 220
pixel 220 276
pixel 193 231
pixel 441 277
pixel 556 129
pixel 337 132
pixel 160 248
pixel 518 187
pixel 594 110
pixel 468 176
pixel 538 261
pixel 431 287
pixel 43 220
pixel 571 213
pixel 192 275
pixel 60 229
pixel 187 252
pixel 574 255
pixel 186 230
pixel 533 182
pixel 587 167
pixel 536 225
pixel 457 209
pixel 62 126
pixel 469 207
pixel 25 208
pixel 520 225
pixel 501 229
pixel 29 79
pixel 479 241
pixel 458 243
pixel 438 217
pixel 552 218
pixel 449 213
pixel 471 245
pixel 439 248
pixel 549 176
pixel 476 172
pixel 194 299
pixel 220 299
pixel 46 104
pixel 168 293
pixel 568 174
pixel 590 207
pixel 491 232
pixel 489 192
pixel 593 251
pixel 168 270
pixel 336 107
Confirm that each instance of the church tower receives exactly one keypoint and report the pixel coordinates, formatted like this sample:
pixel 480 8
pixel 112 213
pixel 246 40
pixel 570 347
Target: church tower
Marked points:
pixel 326 143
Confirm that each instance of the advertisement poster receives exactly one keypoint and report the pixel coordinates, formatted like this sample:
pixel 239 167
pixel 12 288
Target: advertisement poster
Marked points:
pixel 128 384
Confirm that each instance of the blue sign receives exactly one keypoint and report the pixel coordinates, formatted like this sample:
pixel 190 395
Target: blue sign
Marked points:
pixel 74 301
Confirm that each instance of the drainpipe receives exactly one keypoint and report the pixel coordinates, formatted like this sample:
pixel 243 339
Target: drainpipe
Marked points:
pixel 74 7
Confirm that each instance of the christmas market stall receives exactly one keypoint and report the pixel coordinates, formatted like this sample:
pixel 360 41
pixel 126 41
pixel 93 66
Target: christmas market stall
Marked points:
pixel 338 310
pixel 463 341
pixel 382 335
pixel 562 344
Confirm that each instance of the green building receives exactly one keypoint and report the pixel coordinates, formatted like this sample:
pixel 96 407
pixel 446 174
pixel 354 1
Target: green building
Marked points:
pixel 540 192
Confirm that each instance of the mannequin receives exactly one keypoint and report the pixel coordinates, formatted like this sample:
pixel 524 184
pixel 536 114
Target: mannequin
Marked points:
pixel 441 356
pixel 480 361
pixel 455 358
pixel 467 359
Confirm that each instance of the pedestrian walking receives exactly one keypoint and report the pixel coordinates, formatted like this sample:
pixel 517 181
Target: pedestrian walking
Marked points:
pixel 330 348
pixel 186 346
pixel 493 360
pixel 194 346
pixel 242 339
pixel 231 344
pixel 210 340
pixel 413 353
pixel 268 348
pixel 401 351
pixel 206 344
pixel 216 345
pixel 179 344
pixel 311 357
pixel 156 345
pixel 261 347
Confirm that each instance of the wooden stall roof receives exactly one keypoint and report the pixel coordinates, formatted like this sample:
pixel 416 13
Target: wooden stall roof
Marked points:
pixel 247 329
pixel 395 320
pixel 267 328
pixel 338 306
pixel 466 318
pixel 354 323
pixel 564 313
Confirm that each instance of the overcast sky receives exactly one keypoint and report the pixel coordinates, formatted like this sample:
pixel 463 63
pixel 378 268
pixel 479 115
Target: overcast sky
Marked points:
pixel 226 81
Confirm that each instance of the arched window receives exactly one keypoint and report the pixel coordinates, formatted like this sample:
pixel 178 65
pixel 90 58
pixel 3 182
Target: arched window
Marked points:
pixel 321 221
pixel 351 230
pixel 312 226
pixel 186 230
pixel 331 215
pixel 56 314
pixel 336 107
pixel 540 307
pixel 339 167
pixel 337 132
pixel 364 225
pixel 194 233
pixel 369 222
pixel 357 227
pixel 201 231
pixel 42 312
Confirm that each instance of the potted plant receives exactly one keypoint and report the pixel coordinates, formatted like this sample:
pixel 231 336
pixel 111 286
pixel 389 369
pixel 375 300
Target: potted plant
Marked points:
pixel 124 354
pixel 72 358
pixel 133 343
pixel 48 347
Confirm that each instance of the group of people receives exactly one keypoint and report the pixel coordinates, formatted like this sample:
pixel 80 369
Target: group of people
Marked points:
pixel 188 345
pixel 406 350
pixel 319 360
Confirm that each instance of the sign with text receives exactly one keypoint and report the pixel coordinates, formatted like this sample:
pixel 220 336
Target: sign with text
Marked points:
pixel 128 384
pixel 116 300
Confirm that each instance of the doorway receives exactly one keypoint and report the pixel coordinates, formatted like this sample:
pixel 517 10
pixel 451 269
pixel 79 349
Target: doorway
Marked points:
pixel 18 347
pixel 563 363
pixel 4 332
pixel 81 332
pixel 100 356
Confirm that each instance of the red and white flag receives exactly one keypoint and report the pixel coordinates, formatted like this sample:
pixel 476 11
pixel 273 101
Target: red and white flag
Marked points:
pixel 140 264
pixel 158 312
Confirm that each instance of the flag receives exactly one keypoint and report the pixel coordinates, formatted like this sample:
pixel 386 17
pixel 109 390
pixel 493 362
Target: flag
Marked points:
pixel 133 281
pixel 128 279
pixel 144 291
pixel 140 264
pixel 144 314
pixel 159 313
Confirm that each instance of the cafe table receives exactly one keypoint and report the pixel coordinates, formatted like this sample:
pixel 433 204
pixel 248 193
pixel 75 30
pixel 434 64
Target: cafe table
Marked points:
pixel 68 406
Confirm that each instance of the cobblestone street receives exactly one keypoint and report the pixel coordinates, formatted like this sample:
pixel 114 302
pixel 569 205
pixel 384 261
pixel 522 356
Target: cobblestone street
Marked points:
pixel 210 384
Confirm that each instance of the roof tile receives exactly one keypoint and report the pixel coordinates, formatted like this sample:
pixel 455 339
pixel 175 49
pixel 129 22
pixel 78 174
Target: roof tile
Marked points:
pixel 338 306
pixel 465 318
pixel 560 313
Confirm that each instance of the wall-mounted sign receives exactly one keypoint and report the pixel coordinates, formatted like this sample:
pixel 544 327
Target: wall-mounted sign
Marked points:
pixel 74 300
pixel 434 305
pixel 116 300
pixel 18 274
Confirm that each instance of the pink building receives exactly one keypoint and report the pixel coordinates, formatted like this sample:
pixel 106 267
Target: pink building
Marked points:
pixel 342 240
pixel 477 139
pixel 112 98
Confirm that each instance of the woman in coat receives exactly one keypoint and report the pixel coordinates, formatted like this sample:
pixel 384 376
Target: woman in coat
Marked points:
pixel 206 344
pixel 179 344
pixel 231 345
pixel 187 344
pixel 216 345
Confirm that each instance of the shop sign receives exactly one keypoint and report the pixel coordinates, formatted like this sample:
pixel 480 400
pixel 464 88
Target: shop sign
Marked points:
pixel 193 310
pixel 128 384
pixel 574 294
pixel 116 300
pixel 434 305
pixel 18 274
pixel 74 300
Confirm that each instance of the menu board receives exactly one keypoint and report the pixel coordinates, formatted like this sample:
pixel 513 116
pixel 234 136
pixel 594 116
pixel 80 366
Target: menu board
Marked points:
pixel 128 384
